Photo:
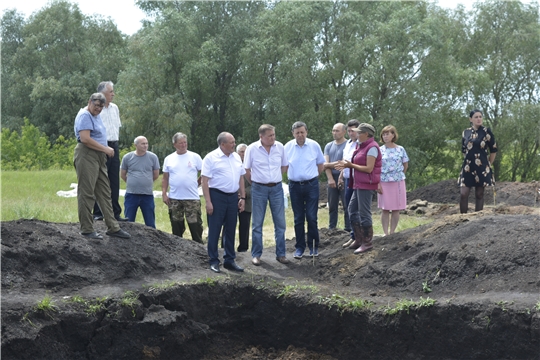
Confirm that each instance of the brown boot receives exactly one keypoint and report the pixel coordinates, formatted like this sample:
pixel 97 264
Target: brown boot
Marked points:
pixel 367 232
pixel 358 236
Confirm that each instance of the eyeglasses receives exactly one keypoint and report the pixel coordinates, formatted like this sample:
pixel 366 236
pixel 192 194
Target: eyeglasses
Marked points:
pixel 98 103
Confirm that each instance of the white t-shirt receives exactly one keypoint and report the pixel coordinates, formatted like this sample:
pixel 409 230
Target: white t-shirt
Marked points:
pixel 183 173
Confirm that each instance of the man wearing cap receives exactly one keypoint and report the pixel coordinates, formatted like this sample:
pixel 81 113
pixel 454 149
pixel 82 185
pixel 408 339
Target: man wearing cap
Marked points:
pixel 306 162
pixel 90 158
pixel 265 162
pixel 333 152
pixel 223 189
pixel 366 164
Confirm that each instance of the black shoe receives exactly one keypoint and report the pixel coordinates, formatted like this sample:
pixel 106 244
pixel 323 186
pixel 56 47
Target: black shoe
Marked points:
pixel 119 218
pixel 93 235
pixel 241 250
pixel 232 266
pixel 120 233
pixel 98 217
pixel 215 268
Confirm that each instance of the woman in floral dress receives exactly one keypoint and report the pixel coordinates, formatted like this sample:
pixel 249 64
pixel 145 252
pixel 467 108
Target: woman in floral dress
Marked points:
pixel 392 193
pixel 476 169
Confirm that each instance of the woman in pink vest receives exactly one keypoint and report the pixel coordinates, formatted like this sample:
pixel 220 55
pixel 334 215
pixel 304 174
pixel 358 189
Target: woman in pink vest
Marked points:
pixel 365 177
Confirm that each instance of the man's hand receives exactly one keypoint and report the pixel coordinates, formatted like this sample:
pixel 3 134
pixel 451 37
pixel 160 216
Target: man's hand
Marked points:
pixel 209 208
pixel 331 183
pixel 166 199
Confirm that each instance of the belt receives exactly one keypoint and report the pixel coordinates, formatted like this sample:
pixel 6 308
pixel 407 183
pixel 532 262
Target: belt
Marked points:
pixel 112 142
pixel 268 184
pixel 224 193
pixel 303 182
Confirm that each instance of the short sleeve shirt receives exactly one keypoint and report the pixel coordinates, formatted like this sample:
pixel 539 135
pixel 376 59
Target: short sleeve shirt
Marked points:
pixel 223 171
pixel 86 121
pixel 265 167
pixel 140 172
pixel 303 160
pixel 183 172
pixel 392 163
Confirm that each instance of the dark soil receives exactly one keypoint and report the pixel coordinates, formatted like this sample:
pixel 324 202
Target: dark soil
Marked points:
pixel 153 296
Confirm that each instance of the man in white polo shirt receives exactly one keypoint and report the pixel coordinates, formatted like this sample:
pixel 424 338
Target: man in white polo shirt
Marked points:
pixel 223 189
pixel 265 162
pixel 306 162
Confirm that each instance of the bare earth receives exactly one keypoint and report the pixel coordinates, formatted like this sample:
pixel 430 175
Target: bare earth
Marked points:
pixel 483 270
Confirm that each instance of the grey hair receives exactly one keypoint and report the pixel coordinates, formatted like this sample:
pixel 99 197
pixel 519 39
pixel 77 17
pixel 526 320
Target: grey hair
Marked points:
pixel 222 137
pixel 103 86
pixel 240 147
pixel 264 128
pixel 135 141
pixel 99 97
pixel 298 124
pixel 177 136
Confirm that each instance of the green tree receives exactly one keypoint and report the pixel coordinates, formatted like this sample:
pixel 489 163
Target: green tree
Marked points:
pixel 62 57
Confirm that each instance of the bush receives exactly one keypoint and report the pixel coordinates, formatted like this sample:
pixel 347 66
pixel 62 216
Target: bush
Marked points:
pixel 31 150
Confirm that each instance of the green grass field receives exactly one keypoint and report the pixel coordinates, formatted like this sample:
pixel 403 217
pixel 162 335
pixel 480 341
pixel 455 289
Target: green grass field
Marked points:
pixel 32 195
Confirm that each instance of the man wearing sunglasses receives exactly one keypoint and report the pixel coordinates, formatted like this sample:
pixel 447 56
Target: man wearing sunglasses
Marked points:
pixel 90 160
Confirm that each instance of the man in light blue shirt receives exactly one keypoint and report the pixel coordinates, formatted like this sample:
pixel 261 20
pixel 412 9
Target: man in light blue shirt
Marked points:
pixel 306 162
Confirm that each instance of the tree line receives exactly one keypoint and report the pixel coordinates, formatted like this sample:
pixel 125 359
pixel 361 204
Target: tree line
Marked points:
pixel 206 67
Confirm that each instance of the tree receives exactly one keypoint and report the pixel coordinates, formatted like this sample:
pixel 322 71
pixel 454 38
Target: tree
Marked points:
pixel 61 59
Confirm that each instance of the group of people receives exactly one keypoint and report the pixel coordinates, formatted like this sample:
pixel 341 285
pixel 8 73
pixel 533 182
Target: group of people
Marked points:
pixel 239 182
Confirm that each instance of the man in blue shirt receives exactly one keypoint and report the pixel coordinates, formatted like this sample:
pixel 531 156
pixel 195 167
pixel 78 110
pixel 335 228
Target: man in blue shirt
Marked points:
pixel 306 162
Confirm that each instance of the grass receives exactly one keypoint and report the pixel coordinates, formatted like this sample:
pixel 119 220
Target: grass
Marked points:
pixel 46 304
pixel 32 195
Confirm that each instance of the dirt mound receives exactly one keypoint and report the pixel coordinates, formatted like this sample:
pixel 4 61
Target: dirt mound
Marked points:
pixel 39 254
pixel 464 286
pixel 509 193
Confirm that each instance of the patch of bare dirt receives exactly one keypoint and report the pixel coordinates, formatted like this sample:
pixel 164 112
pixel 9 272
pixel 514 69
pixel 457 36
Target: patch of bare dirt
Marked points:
pixel 483 270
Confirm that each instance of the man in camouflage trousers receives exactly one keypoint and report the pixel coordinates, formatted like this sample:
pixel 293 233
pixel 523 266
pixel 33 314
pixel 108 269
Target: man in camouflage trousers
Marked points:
pixel 181 173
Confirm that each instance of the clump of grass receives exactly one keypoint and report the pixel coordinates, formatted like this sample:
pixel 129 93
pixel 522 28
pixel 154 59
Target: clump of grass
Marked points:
pixel 345 304
pixel 129 300
pixel 46 304
pixel 407 305
pixel 207 281
pixel 425 287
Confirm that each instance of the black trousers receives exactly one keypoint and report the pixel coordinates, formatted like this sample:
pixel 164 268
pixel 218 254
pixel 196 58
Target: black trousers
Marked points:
pixel 113 171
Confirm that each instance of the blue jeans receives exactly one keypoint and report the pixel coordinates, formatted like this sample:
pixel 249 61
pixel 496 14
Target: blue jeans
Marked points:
pixel 334 195
pixel 224 215
pixel 304 201
pixel 260 196
pixel 360 207
pixel 146 202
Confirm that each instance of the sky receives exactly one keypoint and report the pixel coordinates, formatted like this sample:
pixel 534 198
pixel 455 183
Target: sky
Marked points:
pixel 126 14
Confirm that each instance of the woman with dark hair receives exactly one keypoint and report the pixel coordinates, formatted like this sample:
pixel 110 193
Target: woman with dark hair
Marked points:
pixel 366 165
pixel 476 169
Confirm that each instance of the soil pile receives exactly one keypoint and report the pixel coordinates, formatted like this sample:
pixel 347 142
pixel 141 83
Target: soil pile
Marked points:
pixel 153 296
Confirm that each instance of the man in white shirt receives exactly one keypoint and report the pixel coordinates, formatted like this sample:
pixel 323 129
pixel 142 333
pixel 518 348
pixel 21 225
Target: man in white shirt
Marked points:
pixel 265 162
pixel 306 162
pixel 181 174
pixel 223 188
pixel 345 174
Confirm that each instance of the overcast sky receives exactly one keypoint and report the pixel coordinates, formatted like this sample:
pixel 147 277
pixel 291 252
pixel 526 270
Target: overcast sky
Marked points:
pixel 126 14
